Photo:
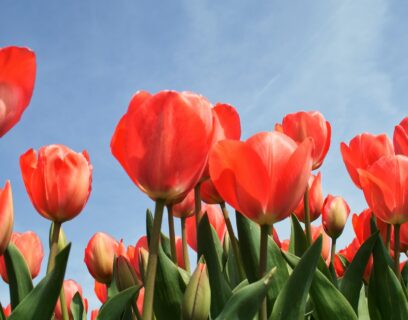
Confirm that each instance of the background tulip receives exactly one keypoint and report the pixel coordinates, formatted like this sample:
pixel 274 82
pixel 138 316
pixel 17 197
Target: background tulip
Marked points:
pixel 7 310
pixel 264 177
pixel 334 215
pixel 17 77
pixel 6 216
pixel 58 181
pixel 30 246
pixel 151 144
pixel 94 314
pixel 209 193
pixel 308 124
pixel 101 291
pixel 184 208
pixel 315 199
pixel 135 259
pixel 362 151
pixel 401 137
pixel 70 289
pixel 316 232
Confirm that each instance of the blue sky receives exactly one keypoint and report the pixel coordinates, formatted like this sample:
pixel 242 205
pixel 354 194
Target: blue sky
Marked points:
pixel 267 58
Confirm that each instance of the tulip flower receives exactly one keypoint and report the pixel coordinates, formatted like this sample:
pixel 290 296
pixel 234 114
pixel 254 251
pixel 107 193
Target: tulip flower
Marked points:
pixel 362 151
pixel 7 310
pixel 70 289
pixel 335 212
pixel 316 232
pixel 58 181
pixel 184 208
pixel 209 194
pixel 17 77
pixel 30 246
pixel 311 124
pixel 404 238
pixel 6 216
pixel 94 314
pixel 140 300
pixel 316 199
pixel 135 259
pixel 125 276
pixel 101 291
pixel 401 137
pixel 99 254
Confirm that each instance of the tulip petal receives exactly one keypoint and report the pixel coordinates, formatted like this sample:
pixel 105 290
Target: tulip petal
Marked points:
pixel 229 120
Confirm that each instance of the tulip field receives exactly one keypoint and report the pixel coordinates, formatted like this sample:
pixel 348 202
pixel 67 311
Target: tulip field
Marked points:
pixel 186 154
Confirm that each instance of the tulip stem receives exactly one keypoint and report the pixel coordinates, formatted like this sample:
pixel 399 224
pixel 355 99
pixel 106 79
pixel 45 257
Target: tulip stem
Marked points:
pixel 307 217
pixel 397 251
pixel 333 252
pixel 152 261
pixel 184 242
pixel 234 241
pixel 197 203
pixel 263 256
pixel 388 237
pixel 172 234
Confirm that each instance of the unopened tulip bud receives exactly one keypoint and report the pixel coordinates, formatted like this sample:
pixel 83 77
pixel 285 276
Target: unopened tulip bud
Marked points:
pixel 334 215
pixel 6 216
pixel 125 275
pixel 197 297
pixel 143 259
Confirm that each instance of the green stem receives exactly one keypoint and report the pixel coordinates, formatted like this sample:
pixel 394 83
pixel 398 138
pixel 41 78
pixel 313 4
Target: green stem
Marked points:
pixel 307 217
pixel 172 234
pixel 263 256
pixel 197 203
pixel 152 262
pixel 64 307
pixel 333 252
pixel 184 242
pixel 397 251
pixel 234 241
pixel 388 238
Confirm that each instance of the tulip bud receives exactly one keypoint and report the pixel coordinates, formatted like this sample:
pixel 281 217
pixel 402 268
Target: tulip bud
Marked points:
pixel 334 215
pixel 70 288
pixel 125 275
pixel 143 259
pixel 6 216
pixel 197 297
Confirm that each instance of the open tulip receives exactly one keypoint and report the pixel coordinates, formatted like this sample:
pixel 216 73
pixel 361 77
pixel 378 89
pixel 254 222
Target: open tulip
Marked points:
pixel 263 177
pixel 17 77
pixel 209 193
pixel 315 199
pixel 151 144
pixel 334 215
pixel 401 137
pixel 70 288
pixel 58 181
pixel 362 151
pixel 30 246
pixel 6 216
pixel 308 124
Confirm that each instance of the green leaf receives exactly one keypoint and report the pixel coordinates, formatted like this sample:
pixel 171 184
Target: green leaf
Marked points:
pixel 298 243
pixel 41 301
pixel 363 313
pixel 291 302
pixel 77 308
pixel 164 240
pixel 118 304
pixel 352 280
pixel 246 301
pixel 231 265
pixel 20 283
pixel 386 299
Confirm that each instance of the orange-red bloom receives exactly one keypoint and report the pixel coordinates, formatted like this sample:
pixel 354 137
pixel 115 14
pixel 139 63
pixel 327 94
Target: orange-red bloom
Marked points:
pixel 403 238
pixel 315 199
pixel 311 124
pixel 316 232
pixel 209 193
pixel 58 181
pixel 6 216
pixel 70 289
pixel 264 177
pixel 401 137
pixel 99 254
pixel 385 186
pixel 216 219
pixel 7 310
pixel 17 76
pixel 334 215
pixel 163 141
pixel 184 208
pixel 94 314
pixel 30 246
pixel 101 291
pixel 362 151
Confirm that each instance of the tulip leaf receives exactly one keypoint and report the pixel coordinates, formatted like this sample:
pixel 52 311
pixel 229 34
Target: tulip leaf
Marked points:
pixel 246 301
pixel 231 264
pixel 41 301
pixel 291 302
pixel 77 308
pixel 118 304
pixel 298 243
pixel 353 277
pixel 207 246
pixel 363 313
pixel 386 297
pixel 328 301
pixel 19 276
pixel 165 241
pixel 404 273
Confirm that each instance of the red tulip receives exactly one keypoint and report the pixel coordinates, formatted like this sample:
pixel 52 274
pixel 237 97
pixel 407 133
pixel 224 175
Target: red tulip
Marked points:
pixel 70 289
pixel 17 76
pixel 385 186
pixel 94 314
pixel 348 254
pixel 163 141
pixel 7 310
pixel 275 237
pixel 135 259
pixel 315 199
pixel 335 212
pixel 362 151
pixel 316 232
pixel 403 238
pixel 216 219
pixel 285 245
pixel 186 207
pixel 140 300
pixel 6 216
pixel 362 226
pixel 264 177
pixel 58 181
pixel 401 137
pixel 209 193
pixel 101 291
pixel 30 246
pixel 99 254
pixel 310 124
